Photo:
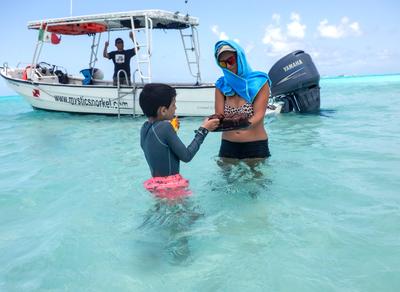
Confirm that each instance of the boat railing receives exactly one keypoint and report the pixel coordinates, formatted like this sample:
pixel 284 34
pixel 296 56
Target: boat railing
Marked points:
pixel 24 65
pixel 5 67
pixel 134 91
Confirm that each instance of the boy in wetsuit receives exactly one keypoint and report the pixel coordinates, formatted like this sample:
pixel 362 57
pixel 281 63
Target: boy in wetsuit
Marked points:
pixel 160 143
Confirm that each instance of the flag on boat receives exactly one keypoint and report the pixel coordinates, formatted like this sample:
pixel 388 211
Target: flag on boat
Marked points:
pixel 49 37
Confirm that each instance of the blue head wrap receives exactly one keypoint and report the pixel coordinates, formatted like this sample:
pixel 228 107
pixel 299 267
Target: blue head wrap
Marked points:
pixel 247 83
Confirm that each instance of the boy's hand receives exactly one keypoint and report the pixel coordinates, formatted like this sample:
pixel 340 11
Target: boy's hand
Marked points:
pixel 106 44
pixel 210 124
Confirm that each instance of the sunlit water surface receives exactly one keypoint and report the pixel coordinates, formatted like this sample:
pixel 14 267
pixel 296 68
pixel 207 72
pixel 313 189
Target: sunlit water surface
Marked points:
pixel 321 214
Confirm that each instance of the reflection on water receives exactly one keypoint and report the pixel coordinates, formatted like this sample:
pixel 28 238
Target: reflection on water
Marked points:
pixel 329 113
pixel 168 225
pixel 244 176
pixel 168 221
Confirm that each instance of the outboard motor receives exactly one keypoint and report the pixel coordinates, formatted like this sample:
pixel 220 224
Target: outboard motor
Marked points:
pixel 295 81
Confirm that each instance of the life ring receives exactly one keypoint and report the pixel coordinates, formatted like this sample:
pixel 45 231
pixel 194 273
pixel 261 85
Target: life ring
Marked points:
pixel 25 73
pixel 77 28
pixel 171 187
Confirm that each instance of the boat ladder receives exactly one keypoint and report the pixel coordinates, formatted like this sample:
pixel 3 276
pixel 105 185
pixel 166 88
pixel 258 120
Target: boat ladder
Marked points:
pixel 191 47
pixel 93 52
pixel 126 90
pixel 143 49
pixel 122 91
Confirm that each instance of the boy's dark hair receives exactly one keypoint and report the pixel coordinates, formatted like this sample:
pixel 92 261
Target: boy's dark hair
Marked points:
pixel 155 95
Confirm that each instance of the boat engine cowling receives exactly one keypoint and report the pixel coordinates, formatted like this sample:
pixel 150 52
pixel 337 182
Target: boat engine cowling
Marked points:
pixel 295 82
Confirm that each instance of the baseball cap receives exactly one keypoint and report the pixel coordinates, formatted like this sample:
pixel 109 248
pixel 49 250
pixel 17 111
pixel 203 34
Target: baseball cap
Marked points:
pixel 225 48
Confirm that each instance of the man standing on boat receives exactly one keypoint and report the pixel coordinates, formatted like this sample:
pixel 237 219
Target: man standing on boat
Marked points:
pixel 121 59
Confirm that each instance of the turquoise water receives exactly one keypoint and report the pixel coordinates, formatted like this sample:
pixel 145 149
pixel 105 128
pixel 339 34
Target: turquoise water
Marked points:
pixel 322 214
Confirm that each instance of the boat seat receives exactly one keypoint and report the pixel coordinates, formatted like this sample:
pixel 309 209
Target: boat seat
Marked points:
pixel 46 79
pixel 102 82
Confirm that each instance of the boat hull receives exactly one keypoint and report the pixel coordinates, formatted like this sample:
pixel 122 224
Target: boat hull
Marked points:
pixel 191 100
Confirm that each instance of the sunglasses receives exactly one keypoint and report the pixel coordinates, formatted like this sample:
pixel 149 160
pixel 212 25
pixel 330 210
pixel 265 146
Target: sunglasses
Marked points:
pixel 230 61
pixel 119 42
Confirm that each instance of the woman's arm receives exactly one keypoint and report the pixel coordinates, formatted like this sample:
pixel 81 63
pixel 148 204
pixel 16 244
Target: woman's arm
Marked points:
pixel 260 105
pixel 219 102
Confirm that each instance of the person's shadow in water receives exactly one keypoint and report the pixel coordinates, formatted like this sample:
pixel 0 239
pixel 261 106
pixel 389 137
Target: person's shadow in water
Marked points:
pixel 171 219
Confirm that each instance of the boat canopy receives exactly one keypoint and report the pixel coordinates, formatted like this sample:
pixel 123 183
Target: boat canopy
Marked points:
pixel 88 24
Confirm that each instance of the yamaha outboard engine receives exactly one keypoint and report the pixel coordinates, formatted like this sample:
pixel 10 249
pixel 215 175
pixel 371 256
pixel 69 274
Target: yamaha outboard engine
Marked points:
pixel 295 82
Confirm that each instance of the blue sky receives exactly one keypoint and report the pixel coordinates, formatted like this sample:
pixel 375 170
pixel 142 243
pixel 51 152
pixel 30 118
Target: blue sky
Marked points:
pixel 343 37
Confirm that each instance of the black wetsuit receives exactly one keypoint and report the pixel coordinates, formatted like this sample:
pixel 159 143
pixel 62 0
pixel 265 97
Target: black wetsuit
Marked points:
pixel 163 149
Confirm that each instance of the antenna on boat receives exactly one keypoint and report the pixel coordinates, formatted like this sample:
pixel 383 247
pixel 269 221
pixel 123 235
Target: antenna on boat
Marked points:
pixel 70 7
pixel 187 9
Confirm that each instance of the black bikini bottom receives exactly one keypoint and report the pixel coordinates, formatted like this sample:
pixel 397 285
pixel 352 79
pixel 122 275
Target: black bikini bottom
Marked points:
pixel 241 150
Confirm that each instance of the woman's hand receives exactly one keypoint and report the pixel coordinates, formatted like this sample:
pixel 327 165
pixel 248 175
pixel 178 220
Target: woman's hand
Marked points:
pixel 210 124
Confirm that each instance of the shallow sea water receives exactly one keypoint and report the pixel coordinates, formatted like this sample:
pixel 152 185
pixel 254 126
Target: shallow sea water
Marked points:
pixel 321 214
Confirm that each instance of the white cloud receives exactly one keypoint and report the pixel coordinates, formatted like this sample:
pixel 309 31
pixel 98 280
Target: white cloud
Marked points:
pixel 279 41
pixel 329 31
pixel 295 29
pixel 276 17
pixel 220 34
pixel 355 27
pixel 343 29
pixel 223 36
pixel 249 48
pixel 315 54
pixel 275 38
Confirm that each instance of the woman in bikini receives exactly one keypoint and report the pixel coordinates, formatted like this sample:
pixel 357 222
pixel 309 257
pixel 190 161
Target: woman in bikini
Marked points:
pixel 243 91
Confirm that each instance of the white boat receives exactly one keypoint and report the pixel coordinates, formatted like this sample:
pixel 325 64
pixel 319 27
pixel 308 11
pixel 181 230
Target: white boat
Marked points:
pixel 50 87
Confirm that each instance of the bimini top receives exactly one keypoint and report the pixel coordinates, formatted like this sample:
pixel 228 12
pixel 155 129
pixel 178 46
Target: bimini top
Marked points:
pixel 86 24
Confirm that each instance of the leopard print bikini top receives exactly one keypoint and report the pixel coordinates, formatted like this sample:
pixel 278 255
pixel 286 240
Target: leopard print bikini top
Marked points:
pixel 247 109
